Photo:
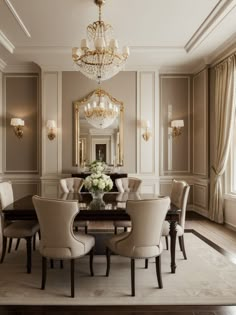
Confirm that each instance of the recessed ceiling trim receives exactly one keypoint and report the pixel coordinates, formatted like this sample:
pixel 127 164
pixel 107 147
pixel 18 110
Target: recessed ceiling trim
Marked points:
pixel 6 43
pixel 16 16
pixel 2 64
pixel 220 11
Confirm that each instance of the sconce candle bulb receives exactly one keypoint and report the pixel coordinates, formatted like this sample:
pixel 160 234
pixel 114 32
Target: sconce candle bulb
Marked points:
pixel 18 125
pixel 51 126
pixel 147 133
pixel 177 126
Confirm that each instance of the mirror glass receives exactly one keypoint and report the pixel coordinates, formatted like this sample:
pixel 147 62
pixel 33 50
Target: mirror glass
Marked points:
pixel 98 143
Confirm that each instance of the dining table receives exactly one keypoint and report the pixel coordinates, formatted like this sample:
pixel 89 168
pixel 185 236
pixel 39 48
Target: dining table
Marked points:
pixel 111 208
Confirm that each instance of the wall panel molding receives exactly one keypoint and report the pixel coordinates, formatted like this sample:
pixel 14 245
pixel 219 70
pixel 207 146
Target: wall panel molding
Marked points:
pixel 21 155
pixel 200 123
pixel 51 109
pixel 147 110
pixel 175 104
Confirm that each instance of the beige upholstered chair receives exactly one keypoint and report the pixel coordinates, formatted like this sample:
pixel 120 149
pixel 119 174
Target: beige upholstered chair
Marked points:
pixel 179 198
pixel 61 242
pixel 126 185
pixel 74 185
pixel 144 240
pixel 15 229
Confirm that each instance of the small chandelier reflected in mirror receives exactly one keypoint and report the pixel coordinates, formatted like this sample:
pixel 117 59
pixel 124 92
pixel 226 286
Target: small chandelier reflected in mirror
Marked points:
pixel 98 58
pixel 101 109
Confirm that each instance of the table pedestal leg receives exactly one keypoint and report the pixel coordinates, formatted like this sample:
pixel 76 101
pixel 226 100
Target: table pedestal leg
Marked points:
pixel 173 233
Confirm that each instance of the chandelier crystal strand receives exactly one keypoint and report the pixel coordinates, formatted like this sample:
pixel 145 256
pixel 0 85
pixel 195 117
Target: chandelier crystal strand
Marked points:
pixel 104 60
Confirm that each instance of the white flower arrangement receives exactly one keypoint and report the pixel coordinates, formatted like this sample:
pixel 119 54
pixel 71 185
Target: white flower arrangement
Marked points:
pixel 98 182
pixel 97 167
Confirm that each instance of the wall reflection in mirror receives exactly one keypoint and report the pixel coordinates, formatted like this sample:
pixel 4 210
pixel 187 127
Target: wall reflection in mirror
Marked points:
pixel 98 129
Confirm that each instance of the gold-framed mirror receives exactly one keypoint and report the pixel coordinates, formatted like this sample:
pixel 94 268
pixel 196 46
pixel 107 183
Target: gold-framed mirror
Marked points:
pixel 98 129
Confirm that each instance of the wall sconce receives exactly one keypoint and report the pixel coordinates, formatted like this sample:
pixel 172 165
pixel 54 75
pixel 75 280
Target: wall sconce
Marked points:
pixel 18 125
pixel 147 133
pixel 176 126
pixel 51 126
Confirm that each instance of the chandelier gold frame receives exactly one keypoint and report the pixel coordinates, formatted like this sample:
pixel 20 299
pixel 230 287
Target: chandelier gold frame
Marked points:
pixel 104 60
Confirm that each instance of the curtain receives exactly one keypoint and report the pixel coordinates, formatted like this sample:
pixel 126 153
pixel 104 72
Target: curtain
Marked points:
pixel 224 123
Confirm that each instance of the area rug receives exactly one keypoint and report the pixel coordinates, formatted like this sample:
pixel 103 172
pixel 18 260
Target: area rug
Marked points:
pixel 206 278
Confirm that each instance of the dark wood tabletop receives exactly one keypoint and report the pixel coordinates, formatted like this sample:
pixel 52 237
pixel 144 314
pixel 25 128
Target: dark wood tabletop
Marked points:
pixel 112 209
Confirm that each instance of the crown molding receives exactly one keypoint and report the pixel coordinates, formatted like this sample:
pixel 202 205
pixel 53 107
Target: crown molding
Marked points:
pixel 22 68
pixel 17 17
pixel 219 12
pixel 226 49
pixel 2 64
pixel 6 42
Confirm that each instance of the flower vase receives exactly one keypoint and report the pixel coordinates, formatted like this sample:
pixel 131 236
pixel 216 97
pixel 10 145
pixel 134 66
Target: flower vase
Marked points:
pixel 97 202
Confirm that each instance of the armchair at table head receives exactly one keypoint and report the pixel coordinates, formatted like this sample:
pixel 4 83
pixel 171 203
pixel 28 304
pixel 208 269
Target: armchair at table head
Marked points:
pixel 126 185
pixel 61 242
pixel 144 240
pixel 179 198
pixel 71 184
pixel 15 229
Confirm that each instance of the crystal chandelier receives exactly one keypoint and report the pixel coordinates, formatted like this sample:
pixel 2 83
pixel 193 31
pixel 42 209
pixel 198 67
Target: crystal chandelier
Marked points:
pixel 98 58
pixel 101 109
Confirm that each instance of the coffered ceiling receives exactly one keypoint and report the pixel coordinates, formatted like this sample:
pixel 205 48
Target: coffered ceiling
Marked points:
pixel 170 35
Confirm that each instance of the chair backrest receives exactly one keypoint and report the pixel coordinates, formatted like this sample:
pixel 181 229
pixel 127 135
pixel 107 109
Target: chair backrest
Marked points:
pixel 128 184
pixel 6 194
pixel 147 217
pixel 179 198
pixel 56 219
pixel 72 184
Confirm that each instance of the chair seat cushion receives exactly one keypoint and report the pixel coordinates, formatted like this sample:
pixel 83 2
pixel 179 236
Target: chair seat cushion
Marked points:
pixel 166 229
pixel 122 224
pixel 21 229
pixel 85 244
pixel 81 223
pixel 123 248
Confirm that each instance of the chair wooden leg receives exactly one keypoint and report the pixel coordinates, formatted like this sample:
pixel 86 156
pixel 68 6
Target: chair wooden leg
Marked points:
pixel 4 247
pixel 29 253
pixel 115 229
pixel 17 243
pixel 91 261
pixel 146 263
pixel 132 277
pixel 158 271
pixel 51 263
pixel 86 229
pixel 72 277
pixel 44 272
pixel 108 255
pixel 10 244
pixel 183 247
pixel 167 242
pixel 61 264
pixel 180 244
pixel 34 242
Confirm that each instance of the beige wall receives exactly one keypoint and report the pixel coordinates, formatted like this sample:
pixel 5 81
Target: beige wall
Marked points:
pixel 21 100
pixel 175 104
pixel 76 86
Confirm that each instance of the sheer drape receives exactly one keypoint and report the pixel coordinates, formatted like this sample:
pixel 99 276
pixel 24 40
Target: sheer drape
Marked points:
pixel 224 121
